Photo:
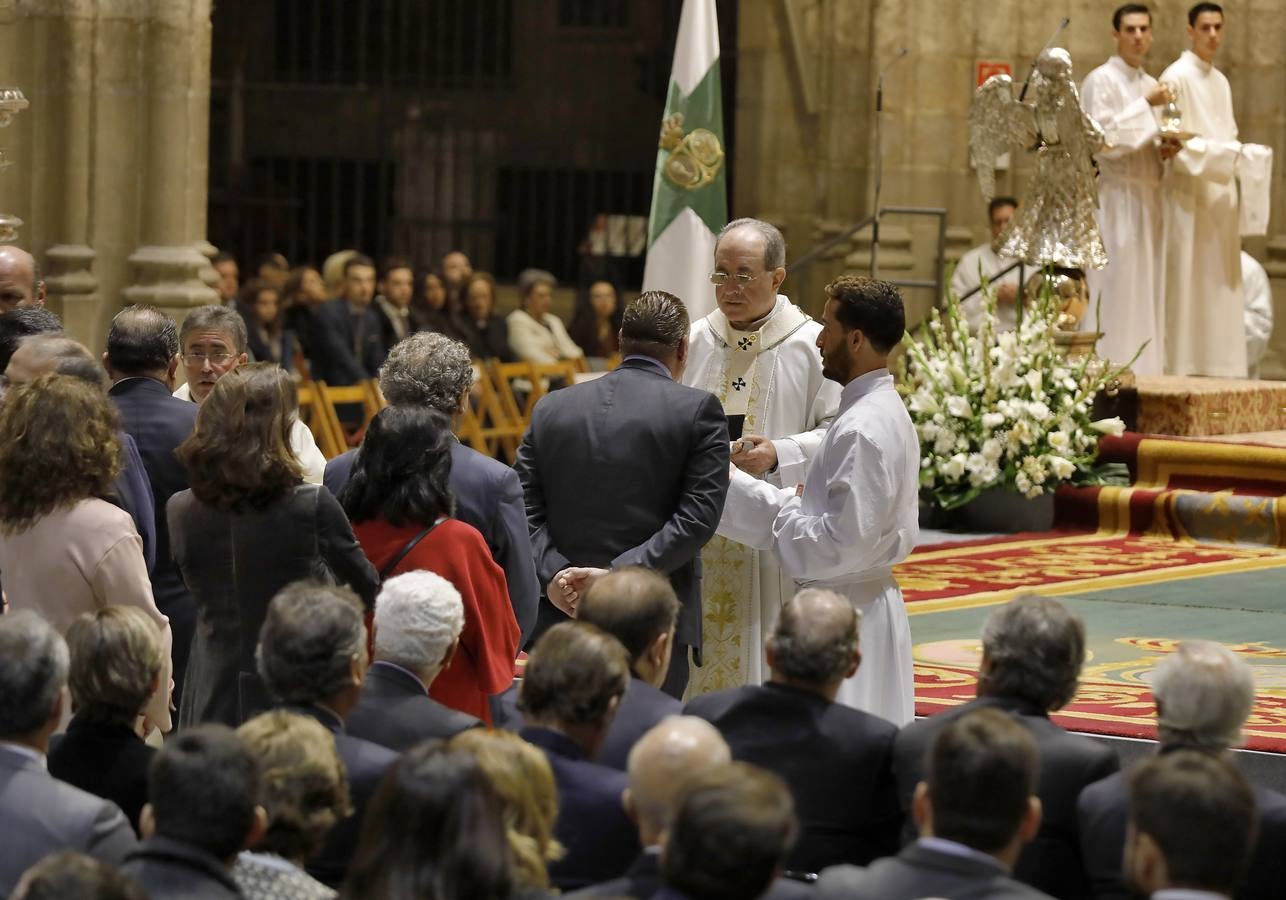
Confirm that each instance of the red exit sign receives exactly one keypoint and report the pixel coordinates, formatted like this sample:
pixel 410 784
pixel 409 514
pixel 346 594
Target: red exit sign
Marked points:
pixel 988 68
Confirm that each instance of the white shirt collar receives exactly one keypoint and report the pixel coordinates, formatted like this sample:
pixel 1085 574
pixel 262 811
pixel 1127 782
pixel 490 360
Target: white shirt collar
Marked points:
pixel 1187 894
pixel 859 387
pixel 29 752
pixel 1116 61
pixel 1197 61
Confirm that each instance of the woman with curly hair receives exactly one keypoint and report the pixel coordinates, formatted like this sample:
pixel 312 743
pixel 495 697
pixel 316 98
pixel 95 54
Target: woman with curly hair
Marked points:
pixel 65 551
pixel 248 527
pixel 434 831
pixel 401 506
pixel 305 794
pixel 521 775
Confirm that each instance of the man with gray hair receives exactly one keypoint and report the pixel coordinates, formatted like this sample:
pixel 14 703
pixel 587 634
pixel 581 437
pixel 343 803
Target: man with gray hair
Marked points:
pixel 1032 653
pixel 836 760
pixel 418 620
pixel 1203 693
pixel 757 353
pixel 434 371
pixel 312 659
pixel 38 813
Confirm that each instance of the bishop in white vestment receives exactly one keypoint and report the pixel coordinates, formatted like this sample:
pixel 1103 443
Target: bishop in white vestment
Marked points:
pixel 1129 294
pixel 857 515
pixel 766 372
pixel 1203 317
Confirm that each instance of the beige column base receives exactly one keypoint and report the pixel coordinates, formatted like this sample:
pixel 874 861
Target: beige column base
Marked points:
pixel 171 279
pixel 73 288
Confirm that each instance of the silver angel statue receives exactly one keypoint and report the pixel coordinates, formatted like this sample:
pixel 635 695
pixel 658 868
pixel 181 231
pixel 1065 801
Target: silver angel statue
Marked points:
pixel 1055 224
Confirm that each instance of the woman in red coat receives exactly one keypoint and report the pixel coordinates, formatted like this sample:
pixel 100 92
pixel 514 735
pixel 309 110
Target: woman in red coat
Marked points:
pixel 400 506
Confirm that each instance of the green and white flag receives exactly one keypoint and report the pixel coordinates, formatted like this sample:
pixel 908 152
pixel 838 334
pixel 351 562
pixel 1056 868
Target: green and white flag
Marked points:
pixel 689 193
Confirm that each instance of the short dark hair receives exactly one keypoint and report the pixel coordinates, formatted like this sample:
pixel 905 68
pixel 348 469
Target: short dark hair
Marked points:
pixel 1129 9
pixel 981 771
pixel 392 263
pixel 1200 812
pixel 997 202
pixel 74 875
pixel 814 652
pixel 308 639
pixel 23 322
pixel 358 259
pixel 222 256
pixel 573 674
pixel 1036 648
pixel 733 829
pixel 203 786
pixel 141 339
pixel 402 469
pixel 633 605
pixel 215 317
pixel 1203 8
pixel 33 670
pixel 655 323
pixel 273 260
pixel 872 306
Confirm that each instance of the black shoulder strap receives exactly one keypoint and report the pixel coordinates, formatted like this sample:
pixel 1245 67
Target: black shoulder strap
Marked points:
pixel 401 554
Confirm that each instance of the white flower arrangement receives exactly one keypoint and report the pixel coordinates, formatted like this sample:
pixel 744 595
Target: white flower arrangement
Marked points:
pixel 1001 408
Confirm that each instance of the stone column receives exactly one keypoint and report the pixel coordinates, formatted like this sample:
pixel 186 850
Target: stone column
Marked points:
pixel 168 261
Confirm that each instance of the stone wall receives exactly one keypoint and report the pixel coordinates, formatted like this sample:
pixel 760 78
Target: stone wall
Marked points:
pixel 806 124
pixel 109 161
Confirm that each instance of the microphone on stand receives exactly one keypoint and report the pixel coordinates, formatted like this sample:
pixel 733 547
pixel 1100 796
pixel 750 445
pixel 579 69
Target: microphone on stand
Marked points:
pixel 1057 31
pixel 879 160
pixel 879 89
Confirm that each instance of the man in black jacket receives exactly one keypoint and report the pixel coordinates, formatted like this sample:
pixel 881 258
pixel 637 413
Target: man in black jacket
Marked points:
pixel 142 359
pixel 629 469
pixel 1032 653
pixel 1203 694
pixel 204 791
pixel 418 620
pixel 837 761
pixel 347 343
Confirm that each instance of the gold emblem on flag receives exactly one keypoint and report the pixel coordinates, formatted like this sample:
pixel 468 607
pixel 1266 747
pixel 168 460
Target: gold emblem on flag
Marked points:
pixel 694 158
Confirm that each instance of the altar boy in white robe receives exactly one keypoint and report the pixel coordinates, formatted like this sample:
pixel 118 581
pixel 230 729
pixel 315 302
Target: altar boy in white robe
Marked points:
pixel 1129 293
pixel 756 353
pixel 1203 317
pixel 855 516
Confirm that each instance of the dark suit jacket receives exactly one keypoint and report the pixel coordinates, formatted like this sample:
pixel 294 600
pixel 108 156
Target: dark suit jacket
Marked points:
pixel 1104 812
pixel 919 872
pixel 395 712
pixel 40 815
pixel 642 707
pixel 642 458
pixel 601 841
pixel 109 761
pixel 170 870
pixel 159 422
pixel 365 762
pixel 133 493
pixel 488 496
pixel 334 359
pixel 643 879
pixel 491 341
pixel 1068 763
pixel 837 761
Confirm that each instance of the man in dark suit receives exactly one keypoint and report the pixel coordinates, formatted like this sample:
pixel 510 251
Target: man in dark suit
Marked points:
pixel 312 658
pixel 142 359
pixel 975 810
pixel 837 761
pixel 660 766
pixel 204 808
pixel 1192 824
pixel 574 681
pixel 39 814
pixel 629 469
pixel 1203 693
pixel 347 344
pixel 418 620
pixel 1032 653
pixel 638 608
pixel 432 370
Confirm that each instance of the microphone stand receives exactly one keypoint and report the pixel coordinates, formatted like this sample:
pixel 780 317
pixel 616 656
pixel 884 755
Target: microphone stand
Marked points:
pixel 879 161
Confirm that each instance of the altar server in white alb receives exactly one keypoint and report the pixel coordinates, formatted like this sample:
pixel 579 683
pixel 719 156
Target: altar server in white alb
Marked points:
pixel 1129 293
pixel 856 514
pixel 1203 317
pixel 756 353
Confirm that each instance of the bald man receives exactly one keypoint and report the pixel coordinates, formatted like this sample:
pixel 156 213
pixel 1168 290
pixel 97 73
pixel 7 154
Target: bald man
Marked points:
pixel 20 281
pixel 837 760
pixel 42 354
pixel 660 764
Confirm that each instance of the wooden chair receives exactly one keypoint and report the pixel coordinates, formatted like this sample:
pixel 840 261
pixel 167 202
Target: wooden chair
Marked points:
pixel 363 394
pixel 500 425
pixel 541 373
pixel 512 381
pixel 314 414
